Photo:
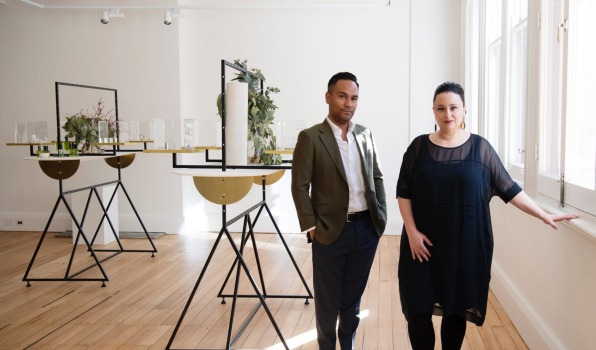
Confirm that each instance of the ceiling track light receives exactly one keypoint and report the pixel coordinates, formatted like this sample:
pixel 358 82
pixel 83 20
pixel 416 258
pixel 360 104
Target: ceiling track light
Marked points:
pixel 169 14
pixel 105 16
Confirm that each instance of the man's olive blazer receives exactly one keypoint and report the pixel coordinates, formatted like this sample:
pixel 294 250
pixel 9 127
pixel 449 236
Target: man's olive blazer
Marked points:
pixel 317 166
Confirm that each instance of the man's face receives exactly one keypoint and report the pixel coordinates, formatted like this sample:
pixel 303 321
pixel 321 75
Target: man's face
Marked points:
pixel 342 101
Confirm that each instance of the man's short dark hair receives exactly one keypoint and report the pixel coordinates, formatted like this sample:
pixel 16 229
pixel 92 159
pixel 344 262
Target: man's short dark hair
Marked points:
pixel 341 76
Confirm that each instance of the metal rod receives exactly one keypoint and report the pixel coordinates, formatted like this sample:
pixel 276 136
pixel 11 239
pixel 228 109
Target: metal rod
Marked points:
pixel 90 187
pixel 223 115
pixel 139 218
pixel 194 290
pixel 256 288
pixel 43 235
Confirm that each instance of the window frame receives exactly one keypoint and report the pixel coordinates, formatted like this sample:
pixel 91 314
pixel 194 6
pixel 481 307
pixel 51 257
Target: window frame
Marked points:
pixel 565 193
pixel 545 190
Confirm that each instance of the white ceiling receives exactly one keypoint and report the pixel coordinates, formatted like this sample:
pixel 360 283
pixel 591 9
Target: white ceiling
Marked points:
pixel 201 4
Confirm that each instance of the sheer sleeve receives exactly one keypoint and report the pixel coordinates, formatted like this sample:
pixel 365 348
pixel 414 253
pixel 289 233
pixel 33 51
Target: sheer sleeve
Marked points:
pixel 404 181
pixel 501 182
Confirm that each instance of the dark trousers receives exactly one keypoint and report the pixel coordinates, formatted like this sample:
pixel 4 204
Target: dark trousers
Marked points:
pixel 340 274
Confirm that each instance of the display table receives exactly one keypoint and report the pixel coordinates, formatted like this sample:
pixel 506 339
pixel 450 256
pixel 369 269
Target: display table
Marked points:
pixel 224 188
pixel 62 168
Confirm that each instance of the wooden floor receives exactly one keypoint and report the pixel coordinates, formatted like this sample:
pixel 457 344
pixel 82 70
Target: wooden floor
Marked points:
pixel 145 296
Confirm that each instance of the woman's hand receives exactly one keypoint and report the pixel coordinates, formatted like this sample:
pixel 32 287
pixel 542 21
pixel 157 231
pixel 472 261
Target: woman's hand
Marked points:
pixel 415 237
pixel 552 219
pixel 527 205
pixel 417 240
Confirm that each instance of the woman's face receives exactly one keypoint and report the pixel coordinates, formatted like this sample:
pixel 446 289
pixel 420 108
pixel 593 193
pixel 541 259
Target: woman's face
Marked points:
pixel 449 111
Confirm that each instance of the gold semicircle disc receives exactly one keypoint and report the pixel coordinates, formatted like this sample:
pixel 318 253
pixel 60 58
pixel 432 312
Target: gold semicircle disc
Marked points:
pixel 269 179
pixel 61 169
pixel 223 190
pixel 124 160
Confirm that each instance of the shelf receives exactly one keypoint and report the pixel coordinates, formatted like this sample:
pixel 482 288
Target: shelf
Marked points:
pixel 172 151
pixel 31 144
pixel 279 151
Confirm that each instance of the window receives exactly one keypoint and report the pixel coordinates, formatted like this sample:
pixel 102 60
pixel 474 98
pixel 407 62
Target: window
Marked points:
pixel 501 51
pixel 562 82
pixel 516 103
pixel 493 72
pixel 567 147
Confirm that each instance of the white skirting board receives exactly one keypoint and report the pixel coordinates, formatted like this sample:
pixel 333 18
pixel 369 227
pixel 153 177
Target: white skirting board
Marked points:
pixel 533 330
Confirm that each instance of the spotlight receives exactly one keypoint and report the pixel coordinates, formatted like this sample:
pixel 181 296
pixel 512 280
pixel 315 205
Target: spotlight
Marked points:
pixel 169 14
pixel 105 17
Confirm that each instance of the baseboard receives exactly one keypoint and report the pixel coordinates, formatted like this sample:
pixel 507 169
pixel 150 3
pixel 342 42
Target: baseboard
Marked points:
pixel 530 326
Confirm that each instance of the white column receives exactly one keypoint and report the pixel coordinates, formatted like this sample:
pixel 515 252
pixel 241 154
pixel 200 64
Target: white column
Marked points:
pixel 94 213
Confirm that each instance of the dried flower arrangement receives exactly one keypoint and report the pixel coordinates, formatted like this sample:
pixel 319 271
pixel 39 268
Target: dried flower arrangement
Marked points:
pixel 84 126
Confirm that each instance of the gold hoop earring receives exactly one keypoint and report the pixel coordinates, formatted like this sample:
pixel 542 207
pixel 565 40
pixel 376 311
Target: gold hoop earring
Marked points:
pixel 462 125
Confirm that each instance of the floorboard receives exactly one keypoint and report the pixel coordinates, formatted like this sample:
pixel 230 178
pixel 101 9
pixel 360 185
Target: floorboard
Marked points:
pixel 145 296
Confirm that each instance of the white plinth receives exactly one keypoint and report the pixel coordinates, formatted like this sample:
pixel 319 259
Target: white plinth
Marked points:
pixel 105 235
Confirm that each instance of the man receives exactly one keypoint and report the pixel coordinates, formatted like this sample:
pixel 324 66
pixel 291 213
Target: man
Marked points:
pixel 345 212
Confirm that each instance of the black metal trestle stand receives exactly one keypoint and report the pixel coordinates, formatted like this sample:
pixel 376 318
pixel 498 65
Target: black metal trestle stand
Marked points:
pixel 203 179
pixel 120 184
pixel 65 170
pixel 238 265
pixel 246 234
pixel 68 276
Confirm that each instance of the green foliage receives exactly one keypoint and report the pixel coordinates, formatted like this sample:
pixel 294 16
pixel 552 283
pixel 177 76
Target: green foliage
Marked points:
pixel 84 126
pixel 261 110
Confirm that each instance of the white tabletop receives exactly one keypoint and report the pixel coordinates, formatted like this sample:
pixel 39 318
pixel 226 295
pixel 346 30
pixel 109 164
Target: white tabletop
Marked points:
pixel 83 158
pixel 228 173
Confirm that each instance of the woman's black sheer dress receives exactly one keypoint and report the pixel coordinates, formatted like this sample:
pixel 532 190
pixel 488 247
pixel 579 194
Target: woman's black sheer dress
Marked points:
pixel 450 190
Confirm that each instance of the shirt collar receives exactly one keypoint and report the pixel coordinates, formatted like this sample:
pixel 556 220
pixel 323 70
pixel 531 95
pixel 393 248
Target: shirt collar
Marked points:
pixel 337 130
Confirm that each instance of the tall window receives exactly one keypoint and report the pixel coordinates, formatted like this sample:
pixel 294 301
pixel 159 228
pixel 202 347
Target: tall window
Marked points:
pixel 563 87
pixel 503 52
pixel 568 119
pixel 494 68
pixel 563 105
pixel 516 103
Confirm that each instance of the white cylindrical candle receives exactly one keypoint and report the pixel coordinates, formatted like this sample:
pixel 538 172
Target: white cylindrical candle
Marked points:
pixel 236 104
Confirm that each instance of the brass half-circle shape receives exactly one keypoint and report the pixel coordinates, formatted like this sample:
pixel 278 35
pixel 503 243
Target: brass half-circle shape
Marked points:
pixel 223 190
pixel 269 179
pixel 124 160
pixel 60 169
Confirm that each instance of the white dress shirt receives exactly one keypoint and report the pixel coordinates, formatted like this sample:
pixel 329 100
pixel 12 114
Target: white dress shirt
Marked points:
pixel 350 156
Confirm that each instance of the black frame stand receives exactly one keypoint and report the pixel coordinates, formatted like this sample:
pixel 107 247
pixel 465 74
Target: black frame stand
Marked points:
pixel 68 276
pixel 247 233
pixel 120 184
pixel 239 263
pixel 250 234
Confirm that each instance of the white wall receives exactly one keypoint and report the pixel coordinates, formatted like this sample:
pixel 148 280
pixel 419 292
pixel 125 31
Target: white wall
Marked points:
pixel 300 49
pixel 545 279
pixel 399 53
pixel 137 55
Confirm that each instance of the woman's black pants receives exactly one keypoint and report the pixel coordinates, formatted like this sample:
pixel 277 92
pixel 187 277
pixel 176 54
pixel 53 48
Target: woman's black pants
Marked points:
pixel 422 334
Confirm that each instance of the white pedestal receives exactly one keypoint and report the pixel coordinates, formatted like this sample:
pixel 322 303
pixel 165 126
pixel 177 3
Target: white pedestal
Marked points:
pixel 94 213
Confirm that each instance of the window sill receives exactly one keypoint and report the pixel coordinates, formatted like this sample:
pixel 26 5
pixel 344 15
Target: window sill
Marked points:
pixel 585 224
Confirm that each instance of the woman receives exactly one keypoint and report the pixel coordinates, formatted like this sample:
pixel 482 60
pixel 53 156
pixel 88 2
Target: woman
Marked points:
pixel 445 184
